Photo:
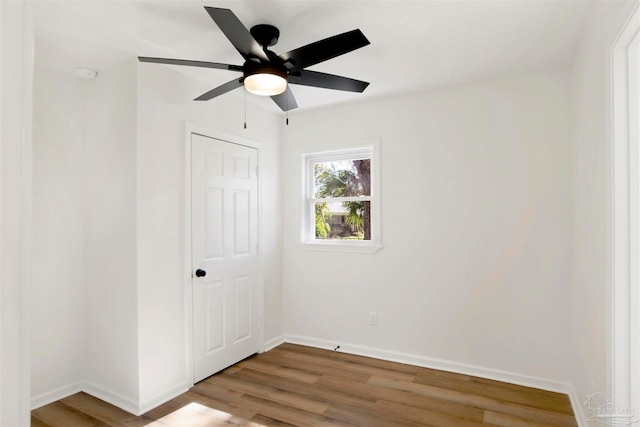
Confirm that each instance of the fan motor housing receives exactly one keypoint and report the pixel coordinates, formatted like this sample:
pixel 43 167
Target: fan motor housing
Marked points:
pixel 265 34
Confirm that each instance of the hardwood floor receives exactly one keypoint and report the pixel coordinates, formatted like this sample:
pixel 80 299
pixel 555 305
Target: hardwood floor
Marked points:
pixel 294 385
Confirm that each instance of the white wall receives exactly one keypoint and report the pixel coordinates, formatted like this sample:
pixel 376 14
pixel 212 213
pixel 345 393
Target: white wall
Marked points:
pixel 57 288
pixel 592 186
pixel 16 73
pixel 165 102
pixel 476 228
pixel 109 170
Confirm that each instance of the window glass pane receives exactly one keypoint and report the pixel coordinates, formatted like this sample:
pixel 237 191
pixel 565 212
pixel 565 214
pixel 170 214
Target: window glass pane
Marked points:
pixel 343 220
pixel 342 178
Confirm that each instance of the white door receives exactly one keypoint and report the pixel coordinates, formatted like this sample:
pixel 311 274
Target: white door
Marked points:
pixel 224 227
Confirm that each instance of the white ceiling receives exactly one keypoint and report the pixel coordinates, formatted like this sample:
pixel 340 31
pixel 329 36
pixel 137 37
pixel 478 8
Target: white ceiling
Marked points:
pixel 415 45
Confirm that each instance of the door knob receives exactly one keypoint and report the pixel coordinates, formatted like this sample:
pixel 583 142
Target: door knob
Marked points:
pixel 200 273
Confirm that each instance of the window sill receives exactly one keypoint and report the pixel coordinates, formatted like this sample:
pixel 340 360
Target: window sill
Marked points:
pixel 352 247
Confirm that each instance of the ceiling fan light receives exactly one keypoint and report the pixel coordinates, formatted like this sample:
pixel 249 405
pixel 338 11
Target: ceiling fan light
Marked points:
pixel 265 84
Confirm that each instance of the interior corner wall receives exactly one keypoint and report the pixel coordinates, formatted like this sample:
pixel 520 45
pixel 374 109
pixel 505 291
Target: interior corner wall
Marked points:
pixel 110 314
pixel 476 227
pixel 57 278
pixel 164 104
pixel 592 187
pixel 109 193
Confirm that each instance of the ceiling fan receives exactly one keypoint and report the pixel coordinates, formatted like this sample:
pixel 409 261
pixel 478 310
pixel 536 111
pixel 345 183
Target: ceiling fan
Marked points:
pixel 268 74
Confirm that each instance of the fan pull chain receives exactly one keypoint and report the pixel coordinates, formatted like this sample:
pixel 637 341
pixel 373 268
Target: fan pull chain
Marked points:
pixel 287 108
pixel 245 108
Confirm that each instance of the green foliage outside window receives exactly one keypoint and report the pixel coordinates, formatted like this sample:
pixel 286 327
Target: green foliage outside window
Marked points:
pixel 343 179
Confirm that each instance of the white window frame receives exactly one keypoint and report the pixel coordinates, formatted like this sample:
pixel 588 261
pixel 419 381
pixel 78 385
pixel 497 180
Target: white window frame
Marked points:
pixel 365 149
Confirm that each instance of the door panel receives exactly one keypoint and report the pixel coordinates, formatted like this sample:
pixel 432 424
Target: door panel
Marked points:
pixel 214 221
pixel 215 317
pixel 242 223
pixel 224 241
pixel 242 288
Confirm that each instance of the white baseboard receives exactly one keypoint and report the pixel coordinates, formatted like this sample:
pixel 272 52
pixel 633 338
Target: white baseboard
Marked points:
pixel 130 405
pixel 161 398
pixel 55 395
pixel 432 363
pixel 273 343
pixel 133 407
pixel 126 403
pixel 578 406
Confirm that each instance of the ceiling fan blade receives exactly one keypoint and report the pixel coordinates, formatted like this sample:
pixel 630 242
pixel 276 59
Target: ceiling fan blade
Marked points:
pixel 328 81
pixel 220 90
pixel 237 33
pixel 286 101
pixel 190 63
pixel 323 50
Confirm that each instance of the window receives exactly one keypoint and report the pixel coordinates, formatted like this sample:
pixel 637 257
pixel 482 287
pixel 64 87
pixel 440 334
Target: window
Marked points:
pixel 340 199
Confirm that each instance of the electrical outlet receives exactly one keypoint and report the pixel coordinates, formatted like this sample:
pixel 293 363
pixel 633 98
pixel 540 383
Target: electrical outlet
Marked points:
pixel 373 318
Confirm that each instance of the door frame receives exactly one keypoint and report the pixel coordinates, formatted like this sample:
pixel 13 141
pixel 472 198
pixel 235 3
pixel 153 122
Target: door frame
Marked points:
pixel 624 248
pixel 192 128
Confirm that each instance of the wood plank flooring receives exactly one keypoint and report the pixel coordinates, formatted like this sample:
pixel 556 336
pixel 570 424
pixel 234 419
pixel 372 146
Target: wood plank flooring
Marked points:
pixel 294 385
